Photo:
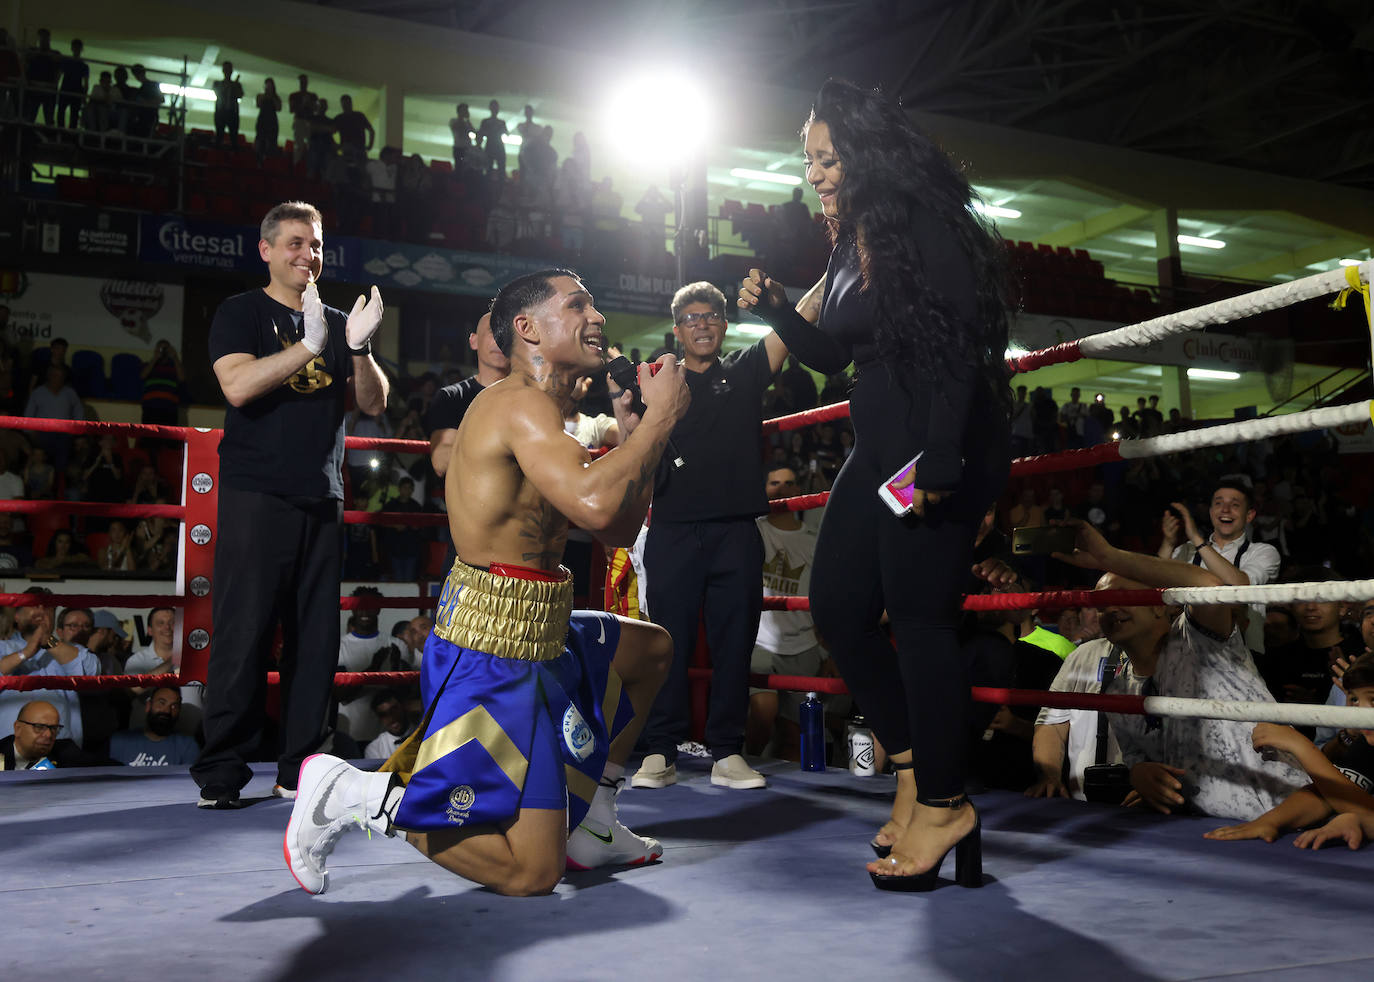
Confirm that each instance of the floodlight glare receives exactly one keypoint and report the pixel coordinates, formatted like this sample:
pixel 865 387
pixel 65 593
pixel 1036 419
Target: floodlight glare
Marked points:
pixel 657 118
pixel 745 174
pixel 995 211
pixel 191 92
pixel 1197 240
pixel 1213 374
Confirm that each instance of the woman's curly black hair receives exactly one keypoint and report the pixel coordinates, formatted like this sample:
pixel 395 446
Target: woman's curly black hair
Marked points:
pixel 894 177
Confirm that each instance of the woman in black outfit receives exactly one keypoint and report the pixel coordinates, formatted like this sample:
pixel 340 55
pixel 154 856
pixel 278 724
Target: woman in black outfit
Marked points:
pixel 914 297
pixel 265 134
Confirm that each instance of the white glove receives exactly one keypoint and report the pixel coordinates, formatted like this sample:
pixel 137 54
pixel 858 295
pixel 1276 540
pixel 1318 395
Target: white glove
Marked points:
pixel 316 330
pixel 363 321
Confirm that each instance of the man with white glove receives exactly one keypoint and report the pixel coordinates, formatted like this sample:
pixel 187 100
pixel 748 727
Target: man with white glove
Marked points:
pixel 284 361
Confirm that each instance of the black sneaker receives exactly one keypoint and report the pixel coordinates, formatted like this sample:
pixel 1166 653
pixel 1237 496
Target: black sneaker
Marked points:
pixel 221 802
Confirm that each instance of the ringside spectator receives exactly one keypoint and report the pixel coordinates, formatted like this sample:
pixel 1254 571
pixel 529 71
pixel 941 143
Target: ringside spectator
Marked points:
pixel 1228 551
pixel 1342 773
pixel 158 744
pixel 35 742
pixel 1196 765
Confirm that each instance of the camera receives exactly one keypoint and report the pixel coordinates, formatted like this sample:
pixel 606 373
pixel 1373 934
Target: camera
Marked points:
pixel 1106 784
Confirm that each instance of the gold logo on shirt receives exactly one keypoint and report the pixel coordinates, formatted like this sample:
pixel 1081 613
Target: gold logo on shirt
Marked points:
pixel 312 377
pixel 780 575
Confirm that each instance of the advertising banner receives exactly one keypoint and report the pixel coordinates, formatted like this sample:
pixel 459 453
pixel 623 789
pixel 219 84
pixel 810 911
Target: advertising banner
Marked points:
pixel 481 274
pixel 215 247
pixel 93 312
pixel 81 233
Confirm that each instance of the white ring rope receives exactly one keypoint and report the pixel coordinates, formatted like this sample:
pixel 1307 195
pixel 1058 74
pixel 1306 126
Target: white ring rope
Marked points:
pixel 1289 713
pixel 1221 312
pixel 1246 430
pixel 1342 591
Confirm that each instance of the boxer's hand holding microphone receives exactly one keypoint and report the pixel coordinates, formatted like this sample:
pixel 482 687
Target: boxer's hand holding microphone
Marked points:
pixel 663 384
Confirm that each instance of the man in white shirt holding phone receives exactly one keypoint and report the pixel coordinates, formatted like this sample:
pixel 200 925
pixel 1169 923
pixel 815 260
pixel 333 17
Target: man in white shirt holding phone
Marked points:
pixel 1228 551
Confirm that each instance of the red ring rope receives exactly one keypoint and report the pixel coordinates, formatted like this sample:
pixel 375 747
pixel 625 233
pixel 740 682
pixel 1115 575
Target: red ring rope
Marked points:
pixel 385 443
pixel 101 683
pixel 808 417
pixel 91 600
pixel 172 600
pixel 394 518
pixel 792 683
pixel 1058 354
pixel 22 506
pixel 1045 600
pixel 78 426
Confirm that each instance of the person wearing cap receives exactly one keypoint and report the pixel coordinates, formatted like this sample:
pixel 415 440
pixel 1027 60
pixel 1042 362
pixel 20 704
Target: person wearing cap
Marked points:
pixel 109 642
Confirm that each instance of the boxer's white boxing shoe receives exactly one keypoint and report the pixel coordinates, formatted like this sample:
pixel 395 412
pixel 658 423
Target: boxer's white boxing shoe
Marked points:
pixel 332 797
pixel 602 840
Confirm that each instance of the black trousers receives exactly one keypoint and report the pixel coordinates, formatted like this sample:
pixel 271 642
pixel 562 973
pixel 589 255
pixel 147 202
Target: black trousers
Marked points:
pixel 868 561
pixel 227 120
pixel 716 566
pixel 276 560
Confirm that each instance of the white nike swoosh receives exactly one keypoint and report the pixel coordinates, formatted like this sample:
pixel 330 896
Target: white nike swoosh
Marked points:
pixel 601 624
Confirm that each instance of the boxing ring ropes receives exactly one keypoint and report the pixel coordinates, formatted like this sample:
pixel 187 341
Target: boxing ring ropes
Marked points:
pixel 197 515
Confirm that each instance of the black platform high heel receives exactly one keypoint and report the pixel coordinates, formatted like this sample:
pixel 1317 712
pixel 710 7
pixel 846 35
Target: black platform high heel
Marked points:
pixel 968 859
pixel 873 843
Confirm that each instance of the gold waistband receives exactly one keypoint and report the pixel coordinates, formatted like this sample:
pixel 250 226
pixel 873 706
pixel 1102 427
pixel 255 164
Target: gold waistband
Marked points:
pixel 502 615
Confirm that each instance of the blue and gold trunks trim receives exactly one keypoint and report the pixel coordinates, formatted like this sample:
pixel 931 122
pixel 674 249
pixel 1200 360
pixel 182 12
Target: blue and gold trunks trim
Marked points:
pixel 504 616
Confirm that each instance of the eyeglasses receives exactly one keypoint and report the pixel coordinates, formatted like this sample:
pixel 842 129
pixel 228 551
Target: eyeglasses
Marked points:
pixel 52 729
pixel 710 317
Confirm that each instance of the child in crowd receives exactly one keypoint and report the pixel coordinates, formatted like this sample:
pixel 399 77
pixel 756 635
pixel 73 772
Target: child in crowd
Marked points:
pixel 1342 775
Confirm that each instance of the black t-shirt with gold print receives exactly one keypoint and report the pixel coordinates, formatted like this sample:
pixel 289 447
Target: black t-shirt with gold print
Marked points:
pixel 289 441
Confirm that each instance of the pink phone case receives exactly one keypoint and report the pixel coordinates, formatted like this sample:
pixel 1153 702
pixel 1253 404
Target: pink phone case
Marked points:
pixel 899 499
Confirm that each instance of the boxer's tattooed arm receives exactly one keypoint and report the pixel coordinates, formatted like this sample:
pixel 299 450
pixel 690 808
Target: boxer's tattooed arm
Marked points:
pixel 639 484
pixel 547 529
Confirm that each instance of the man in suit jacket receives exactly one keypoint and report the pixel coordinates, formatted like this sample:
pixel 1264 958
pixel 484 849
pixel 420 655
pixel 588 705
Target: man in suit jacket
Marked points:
pixel 35 740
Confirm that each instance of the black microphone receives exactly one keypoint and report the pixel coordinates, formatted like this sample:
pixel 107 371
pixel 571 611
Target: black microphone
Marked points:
pixel 623 373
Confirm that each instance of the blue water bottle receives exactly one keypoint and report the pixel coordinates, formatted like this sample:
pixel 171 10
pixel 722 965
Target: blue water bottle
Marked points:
pixel 812 733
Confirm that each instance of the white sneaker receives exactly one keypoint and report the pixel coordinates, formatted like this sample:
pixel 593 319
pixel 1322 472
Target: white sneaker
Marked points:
pixel 735 772
pixel 279 792
pixel 602 840
pixel 333 797
pixel 655 772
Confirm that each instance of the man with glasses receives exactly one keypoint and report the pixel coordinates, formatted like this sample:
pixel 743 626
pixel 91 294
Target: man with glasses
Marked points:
pixel 703 551
pixel 35 743
pixel 39 650
pixel 76 625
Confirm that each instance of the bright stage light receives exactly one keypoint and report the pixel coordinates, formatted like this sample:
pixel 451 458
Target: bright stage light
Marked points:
pixel 1197 240
pixel 745 174
pixel 1213 374
pixel 995 211
pixel 191 92
pixel 657 118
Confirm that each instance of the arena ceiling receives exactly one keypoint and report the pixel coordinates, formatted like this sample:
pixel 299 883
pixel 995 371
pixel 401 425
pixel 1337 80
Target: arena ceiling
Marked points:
pixel 1280 86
